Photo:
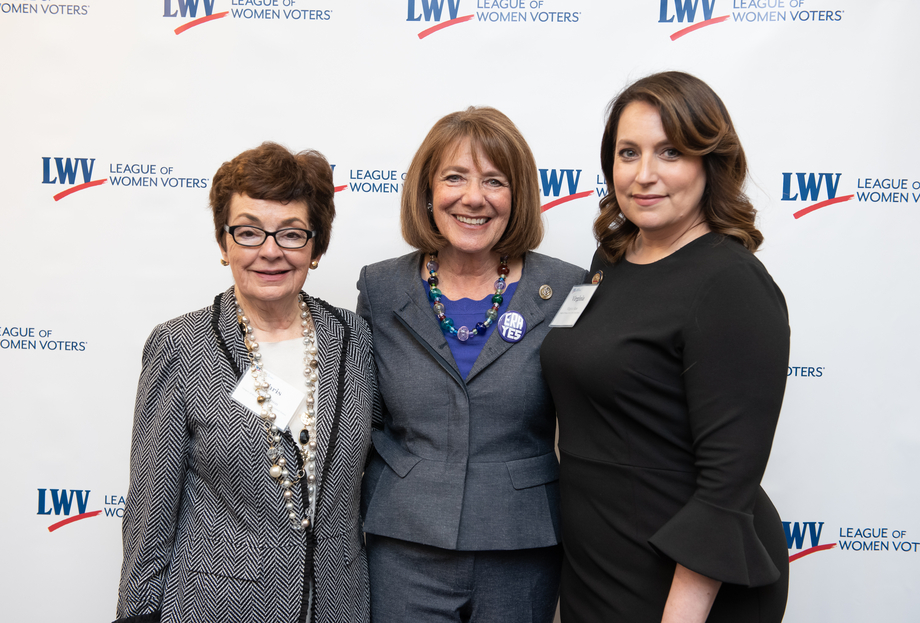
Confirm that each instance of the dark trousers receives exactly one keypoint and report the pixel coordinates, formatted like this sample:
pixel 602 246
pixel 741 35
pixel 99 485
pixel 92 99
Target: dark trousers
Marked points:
pixel 419 583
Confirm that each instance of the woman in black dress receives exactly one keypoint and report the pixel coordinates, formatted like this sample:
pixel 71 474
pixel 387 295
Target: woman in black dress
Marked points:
pixel 669 386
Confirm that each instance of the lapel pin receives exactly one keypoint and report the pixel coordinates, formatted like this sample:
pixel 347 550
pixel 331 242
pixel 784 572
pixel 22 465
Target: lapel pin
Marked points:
pixel 546 292
pixel 511 326
pixel 598 277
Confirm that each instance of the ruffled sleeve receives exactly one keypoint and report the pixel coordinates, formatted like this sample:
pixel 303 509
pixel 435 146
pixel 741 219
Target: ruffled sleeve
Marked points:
pixel 736 353
pixel 725 546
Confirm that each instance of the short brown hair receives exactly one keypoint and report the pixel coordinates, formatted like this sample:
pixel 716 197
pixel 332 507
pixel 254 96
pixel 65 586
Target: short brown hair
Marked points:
pixel 271 172
pixel 495 136
pixel 697 123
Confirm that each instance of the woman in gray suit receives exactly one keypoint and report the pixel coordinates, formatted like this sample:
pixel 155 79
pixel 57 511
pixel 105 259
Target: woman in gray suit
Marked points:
pixel 460 495
pixel 252 424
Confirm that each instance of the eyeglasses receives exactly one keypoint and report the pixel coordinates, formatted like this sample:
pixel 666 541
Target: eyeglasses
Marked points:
pixel 288 238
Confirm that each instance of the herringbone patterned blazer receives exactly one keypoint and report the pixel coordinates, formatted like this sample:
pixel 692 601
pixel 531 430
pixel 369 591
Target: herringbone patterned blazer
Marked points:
pixel 206 535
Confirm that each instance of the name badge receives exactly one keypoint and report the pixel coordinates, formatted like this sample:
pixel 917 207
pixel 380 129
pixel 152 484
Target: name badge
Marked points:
pixel 285 398
pixel 573 305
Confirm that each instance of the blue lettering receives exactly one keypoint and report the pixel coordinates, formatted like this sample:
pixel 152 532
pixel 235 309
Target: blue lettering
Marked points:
pixel 495 16
pixel 904 546
pixel 63 501
pixel 133 181
pixel 46 177
pixel 67 169
pixel 831 185
pixel 685 9
pixel 795 533
pixel 432 8
pixel 187 7
pixel 42 505
pixel 871 546
pixel 751 16
pixel 810 186
pixel 552 180
pixel 572 176
pixel 814 530
pixel 368 187
pixel 876 197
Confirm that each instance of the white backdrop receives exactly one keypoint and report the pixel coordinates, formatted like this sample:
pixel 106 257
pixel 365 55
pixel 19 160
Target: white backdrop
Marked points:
pixel 824 96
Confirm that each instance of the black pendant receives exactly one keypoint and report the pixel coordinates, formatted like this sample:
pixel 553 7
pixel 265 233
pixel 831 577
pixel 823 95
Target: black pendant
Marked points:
pixel 304 437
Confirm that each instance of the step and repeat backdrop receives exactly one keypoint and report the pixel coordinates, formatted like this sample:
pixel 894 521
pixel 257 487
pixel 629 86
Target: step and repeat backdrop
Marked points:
pixel 115 114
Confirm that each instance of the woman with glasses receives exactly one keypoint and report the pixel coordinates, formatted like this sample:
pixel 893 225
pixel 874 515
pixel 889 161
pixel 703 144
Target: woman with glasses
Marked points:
pixel 252 424
pixel 461 492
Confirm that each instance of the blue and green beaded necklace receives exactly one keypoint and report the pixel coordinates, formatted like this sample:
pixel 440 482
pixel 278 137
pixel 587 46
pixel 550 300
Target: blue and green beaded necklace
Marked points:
pixel 447 324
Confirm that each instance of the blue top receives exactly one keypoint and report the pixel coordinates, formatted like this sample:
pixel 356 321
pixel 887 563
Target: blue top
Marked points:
pixel 467 312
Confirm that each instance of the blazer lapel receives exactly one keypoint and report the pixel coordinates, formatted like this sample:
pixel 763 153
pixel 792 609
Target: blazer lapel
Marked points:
pixel 523 302
pixel 414 313
pixel 329 336
pixel 232 335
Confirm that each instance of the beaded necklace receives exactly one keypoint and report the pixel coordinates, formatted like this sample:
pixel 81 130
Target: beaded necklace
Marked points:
pixel 447 324
pixel 278 469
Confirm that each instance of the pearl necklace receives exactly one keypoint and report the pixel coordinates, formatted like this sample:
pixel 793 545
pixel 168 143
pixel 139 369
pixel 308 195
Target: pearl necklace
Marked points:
pixel 278 469
pixel 447 324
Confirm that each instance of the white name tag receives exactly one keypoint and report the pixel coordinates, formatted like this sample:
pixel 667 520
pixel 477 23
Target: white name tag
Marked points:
pixel 573 305
pixel 285 397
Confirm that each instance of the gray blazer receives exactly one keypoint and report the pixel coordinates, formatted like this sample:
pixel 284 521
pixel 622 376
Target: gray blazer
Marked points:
pixel 461 464
pixel 206 535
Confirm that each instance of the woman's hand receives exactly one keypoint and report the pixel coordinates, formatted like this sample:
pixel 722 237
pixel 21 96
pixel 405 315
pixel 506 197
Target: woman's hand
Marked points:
pixel 690 598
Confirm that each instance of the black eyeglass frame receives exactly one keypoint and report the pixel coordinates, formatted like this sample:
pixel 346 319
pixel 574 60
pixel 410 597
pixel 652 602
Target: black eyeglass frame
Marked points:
pixel 311 233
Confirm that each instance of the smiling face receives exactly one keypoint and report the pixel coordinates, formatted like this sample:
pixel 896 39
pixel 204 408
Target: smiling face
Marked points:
pixel 658 188
pixel 471 201
pixel 267 275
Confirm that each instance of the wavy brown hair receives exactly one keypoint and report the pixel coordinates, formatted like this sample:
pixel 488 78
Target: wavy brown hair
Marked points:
pixel 697 123
pixel 273 173
pixel 495 136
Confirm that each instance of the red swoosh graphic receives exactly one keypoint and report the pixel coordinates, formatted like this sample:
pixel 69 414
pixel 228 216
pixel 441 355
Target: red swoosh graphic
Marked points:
pixel 553 204
pixel 434 29
pixel 820 205
pixel 341 188
pixel 812 550
pixel 61 524
pixel 70 191
pixel 709 22
pixel 201 20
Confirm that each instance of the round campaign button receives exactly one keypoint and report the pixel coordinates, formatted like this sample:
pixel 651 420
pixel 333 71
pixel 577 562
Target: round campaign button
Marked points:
pixel 511 326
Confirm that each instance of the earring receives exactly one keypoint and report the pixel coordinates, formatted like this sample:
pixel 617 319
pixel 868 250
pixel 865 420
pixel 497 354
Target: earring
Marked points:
pixel 430 208
pixel 224 262
pixel 314 264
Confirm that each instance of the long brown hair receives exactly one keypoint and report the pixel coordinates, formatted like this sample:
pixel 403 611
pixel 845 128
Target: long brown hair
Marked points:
pixel 697 123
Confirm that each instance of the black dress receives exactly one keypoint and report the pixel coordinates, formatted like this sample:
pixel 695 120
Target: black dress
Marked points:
pixel 668 390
